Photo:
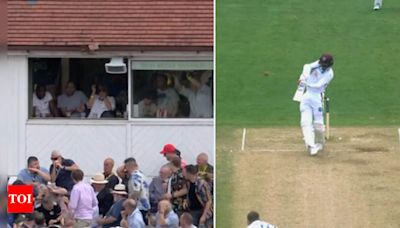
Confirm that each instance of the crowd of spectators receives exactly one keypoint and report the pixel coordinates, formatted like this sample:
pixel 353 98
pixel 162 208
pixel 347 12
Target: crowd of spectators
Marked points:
pixel 180 196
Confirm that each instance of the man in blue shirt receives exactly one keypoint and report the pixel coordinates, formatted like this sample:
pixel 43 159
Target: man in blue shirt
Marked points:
pixel 132 217
pixel 61 169
pixel 34 173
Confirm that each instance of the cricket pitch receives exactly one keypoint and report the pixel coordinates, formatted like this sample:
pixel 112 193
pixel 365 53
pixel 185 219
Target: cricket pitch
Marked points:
pixel 354 182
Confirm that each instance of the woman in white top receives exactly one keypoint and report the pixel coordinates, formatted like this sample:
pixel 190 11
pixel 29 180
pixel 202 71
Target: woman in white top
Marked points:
pixel 42 103
pixel 100 102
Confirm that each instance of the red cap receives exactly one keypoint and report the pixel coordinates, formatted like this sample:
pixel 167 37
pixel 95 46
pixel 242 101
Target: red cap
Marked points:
pixel 168 149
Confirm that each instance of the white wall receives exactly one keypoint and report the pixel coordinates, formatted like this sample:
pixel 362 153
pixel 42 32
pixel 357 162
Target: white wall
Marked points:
pixel 89 142
pixel 13 112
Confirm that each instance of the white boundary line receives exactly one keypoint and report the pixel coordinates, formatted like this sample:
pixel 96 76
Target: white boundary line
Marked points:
pixel 243 138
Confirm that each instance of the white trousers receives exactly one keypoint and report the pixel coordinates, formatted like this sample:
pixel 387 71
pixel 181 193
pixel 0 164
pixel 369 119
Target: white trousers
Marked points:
pixel 312 115
pixel 378 2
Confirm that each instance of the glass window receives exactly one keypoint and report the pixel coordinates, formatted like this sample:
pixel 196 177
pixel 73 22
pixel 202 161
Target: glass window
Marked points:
pixel 172 89
pixel 75 88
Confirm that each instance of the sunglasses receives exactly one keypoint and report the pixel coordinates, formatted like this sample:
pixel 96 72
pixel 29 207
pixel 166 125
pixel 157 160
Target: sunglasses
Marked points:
pixel 53 159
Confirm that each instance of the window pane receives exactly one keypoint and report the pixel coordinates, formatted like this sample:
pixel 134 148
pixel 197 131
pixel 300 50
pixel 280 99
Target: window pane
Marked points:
pixel 76 88
pixel 172 93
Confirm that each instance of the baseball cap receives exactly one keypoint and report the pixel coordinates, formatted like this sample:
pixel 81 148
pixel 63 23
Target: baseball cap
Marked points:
pixel 168 149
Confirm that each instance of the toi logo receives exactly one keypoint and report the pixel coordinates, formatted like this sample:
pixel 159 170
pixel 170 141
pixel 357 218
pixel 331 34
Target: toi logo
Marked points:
pixel 20 199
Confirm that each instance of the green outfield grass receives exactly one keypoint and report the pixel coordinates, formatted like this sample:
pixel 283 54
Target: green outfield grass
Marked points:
pixel 280 36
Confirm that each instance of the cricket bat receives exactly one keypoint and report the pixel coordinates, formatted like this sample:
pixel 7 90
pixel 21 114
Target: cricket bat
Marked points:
pixel 327 118
pixel 298 95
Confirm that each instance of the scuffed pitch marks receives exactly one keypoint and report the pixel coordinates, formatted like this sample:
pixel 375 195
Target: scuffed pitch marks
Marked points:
pixel 355 162
pixel 365 149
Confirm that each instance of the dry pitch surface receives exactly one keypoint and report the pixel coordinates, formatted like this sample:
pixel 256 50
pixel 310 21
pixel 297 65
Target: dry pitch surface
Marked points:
pixel 354 182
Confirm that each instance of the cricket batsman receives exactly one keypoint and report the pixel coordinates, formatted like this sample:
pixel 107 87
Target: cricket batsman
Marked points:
pixel 314 79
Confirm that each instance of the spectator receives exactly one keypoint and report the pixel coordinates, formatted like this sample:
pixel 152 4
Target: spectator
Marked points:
pixel 109 175
pixel 166 217
pixel 43 103
pixel 50 210
pixel 104 196
pixel 253 221
pixel 26 221
pixel 100 104
pixel 169 151
pixel 132 217
pixel 34 173
pixel 40 220
pixel 113 217
pixel 206 171
pixel 61 169
pixel 72 102
pixel 147 106
pixel 82 201
pixel 199 199
pixel 177 186
pixel 199 95
pixel 186 220
pixel 138 185
pixel 159 186
pixel 167 98
pixel 124 175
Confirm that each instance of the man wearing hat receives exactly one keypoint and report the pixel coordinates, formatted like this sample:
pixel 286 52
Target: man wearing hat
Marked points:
pixel 169 151
pixel 113 217
pixel 104 195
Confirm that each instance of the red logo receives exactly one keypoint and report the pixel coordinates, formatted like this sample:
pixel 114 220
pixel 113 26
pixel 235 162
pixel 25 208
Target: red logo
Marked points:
pixel 20 199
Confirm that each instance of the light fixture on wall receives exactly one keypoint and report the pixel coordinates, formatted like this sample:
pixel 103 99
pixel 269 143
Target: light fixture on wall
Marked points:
pixel 116 66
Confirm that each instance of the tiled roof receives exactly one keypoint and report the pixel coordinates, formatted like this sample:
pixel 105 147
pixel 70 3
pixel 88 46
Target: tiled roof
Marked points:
pixel 110 23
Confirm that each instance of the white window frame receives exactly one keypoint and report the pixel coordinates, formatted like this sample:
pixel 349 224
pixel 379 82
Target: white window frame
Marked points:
pixel 130 56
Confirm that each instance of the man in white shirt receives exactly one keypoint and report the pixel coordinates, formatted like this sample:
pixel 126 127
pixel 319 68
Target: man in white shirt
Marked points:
pixel 315 77
pixel 100 103
pixel 253 221
pixel 377 4
pixel 43 103
pixel 199 95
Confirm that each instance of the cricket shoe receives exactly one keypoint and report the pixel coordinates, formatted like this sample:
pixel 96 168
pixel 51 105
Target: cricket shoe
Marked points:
pixel 377 7
pixel 314 150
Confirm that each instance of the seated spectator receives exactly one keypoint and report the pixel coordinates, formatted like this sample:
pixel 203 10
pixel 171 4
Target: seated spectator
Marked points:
pixel 34 173
pixel 186 221
pixel 199 199
pixel 138 185
pixel 132 217
pixel 166 217
pixel 51 211
pixel 100 103
pixel 109 175
pixel 124 175
pixel 169 151
pixel 199 94
pixel 147 106
pixel 104 195
pixel 40 221
pixel 159 186
pixel 42 103
pixel 61 169
pixel 253 221
pixel 72 102
pixel 25 221
pixel 82 201
pixel 206 171
pixel 167 98
pixel 177 189
pixel 113 217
